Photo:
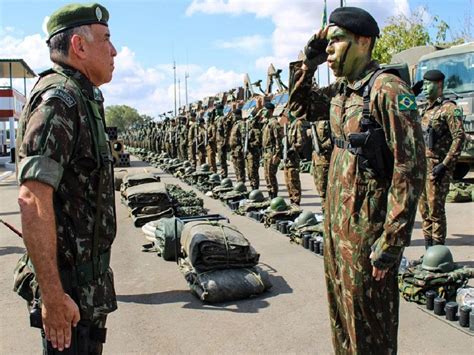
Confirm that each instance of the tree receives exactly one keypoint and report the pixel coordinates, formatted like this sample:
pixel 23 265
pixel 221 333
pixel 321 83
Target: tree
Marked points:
pixel 403 32
pixel 123 117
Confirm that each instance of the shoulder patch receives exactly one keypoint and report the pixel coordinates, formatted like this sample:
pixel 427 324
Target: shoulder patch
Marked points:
pixel 406 102
pixel 61 94
pixel 458 112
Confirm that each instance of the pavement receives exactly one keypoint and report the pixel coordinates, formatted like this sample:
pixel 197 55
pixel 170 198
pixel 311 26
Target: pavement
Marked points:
pixel 158 314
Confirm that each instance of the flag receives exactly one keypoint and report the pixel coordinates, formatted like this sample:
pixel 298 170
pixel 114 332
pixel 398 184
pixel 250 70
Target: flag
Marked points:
pixel 324 20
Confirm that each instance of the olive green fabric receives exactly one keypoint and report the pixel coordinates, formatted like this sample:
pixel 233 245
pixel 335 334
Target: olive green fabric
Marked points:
pixel 250 206
pixel 271 217
pixel 460 192
pixel 74 15
pixel 214 245
pixel 225 285
pixel 414 282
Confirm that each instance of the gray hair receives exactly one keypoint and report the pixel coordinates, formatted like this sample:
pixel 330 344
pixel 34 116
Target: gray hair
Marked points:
pixel 59 44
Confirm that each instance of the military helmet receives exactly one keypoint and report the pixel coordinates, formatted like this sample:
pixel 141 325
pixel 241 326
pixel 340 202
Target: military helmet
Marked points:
pixel 166 160
pixel 215 178
pixel 256 196
pixel 240 187
pixel 189 170
pixel 278 204
pixel 175 161
pixel 306 218
pixel 438 258
pixel 204 167
pixel 187 164
pixel 226 182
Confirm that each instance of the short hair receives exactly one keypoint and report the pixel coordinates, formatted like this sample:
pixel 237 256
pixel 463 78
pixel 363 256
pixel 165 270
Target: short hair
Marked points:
pixel 60 43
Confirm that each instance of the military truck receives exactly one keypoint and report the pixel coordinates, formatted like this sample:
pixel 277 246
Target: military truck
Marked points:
pixel 457 64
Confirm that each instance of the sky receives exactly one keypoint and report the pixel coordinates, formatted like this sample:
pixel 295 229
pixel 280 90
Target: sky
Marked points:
pixel 214 41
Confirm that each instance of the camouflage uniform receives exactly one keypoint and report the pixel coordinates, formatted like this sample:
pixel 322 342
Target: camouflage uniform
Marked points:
pixel 183 141
pixel 224 125
pixel 297 138
pixel 252 158
pixel 445 118
pixel 201 149
pixel 192 140
pixel 236 144
pixel 62 143
pixel 321 160
pixel 211 147
pixel 366 213
pixel 272 137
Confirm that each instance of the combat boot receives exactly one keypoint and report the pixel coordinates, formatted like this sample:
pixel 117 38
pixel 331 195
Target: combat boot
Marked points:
pixel 428 243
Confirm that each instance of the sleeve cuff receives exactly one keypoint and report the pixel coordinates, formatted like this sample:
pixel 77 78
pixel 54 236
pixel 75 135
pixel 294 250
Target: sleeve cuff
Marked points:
pixel 40 168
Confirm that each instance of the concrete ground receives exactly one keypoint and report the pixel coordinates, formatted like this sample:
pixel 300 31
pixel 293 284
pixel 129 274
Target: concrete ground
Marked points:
pixel 158 314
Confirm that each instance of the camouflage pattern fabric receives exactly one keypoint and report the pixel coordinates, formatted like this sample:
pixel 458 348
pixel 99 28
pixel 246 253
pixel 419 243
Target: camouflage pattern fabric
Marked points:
pixel 297 138
pixel 211 148
pixel 236 144
pixel 271 217
pixel 224 126
pixel 321 160
pixel 296 234
pixel 192 147
pixel 446 119
pixel 272 137
pixel 363 212
pixel 252 158
pixel 252 206
pixel 219 191
pixel 183 142
pixel 414 282
pixel 60 97
pixel 460 192
pixel 233 196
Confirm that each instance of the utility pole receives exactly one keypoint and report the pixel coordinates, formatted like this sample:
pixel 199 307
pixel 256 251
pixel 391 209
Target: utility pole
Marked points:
pixel 179 93
pixel 174 72
pixel 186 76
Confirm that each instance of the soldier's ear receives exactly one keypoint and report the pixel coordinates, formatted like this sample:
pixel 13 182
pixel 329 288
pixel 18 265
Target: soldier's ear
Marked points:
pixel 77 46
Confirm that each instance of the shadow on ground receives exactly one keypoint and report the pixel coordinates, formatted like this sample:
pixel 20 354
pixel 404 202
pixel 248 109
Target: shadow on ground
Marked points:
pixel 11 250
pixel 250 305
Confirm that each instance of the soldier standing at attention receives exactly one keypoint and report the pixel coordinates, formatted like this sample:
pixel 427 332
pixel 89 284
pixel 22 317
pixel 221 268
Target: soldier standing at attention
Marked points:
pixel 253 154
pixel 374 183
pixel 321 160
pixel 183 138
pixel 297 139
pixel 236 144
pixel 211 147
pixel 66 196
pixel 192 139
pixel 224 125
pixel 201 139
pixel 272 137
pixel 444 136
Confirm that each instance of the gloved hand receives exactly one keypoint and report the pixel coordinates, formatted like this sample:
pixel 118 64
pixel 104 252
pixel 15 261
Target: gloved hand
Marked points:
pixel 315 50
pixel 438 172
pixel 417 88
pixel 384 256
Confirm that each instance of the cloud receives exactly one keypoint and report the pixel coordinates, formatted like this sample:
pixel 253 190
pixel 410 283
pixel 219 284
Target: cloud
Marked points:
pixel 294 21
pixel 248 43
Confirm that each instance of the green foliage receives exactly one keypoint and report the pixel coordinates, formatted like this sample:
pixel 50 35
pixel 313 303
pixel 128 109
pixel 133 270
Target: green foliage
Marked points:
pixel 123 117
pixel 404 32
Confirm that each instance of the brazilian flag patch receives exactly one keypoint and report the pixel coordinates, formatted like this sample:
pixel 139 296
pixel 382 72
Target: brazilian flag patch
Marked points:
pixel 458 112
pixel 406 102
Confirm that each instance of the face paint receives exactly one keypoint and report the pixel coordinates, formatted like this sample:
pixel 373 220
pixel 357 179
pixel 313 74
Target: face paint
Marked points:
pixel 346 56
pixel 430 89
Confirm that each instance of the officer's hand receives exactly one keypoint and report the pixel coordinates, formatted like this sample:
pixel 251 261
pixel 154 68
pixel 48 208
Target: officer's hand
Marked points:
pixel 438 172
pixel 315 49
pixel 58 317
pixel 417 88
pixel 377 273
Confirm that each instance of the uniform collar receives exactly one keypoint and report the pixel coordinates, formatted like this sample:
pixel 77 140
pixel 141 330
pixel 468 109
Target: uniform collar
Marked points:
pixel 364 78
pixel 438 101
pixel 88 89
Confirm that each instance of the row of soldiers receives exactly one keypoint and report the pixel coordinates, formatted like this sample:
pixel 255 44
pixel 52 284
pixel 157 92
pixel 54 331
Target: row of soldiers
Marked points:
pixel 246 141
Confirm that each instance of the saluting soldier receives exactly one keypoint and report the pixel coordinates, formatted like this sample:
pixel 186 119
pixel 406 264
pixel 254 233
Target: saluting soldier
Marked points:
pixel 374 183
pixel 444 137
pixel 254 150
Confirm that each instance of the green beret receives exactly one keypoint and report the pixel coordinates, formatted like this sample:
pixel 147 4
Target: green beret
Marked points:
pixel 356 20
pixel 74 15
pixel 433 75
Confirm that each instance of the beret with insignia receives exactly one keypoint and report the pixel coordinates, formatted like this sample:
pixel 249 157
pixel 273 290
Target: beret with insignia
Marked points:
pixel 269 106
pixel 237 111
pixel 74 15
pixel 433 75
pixel 356 20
